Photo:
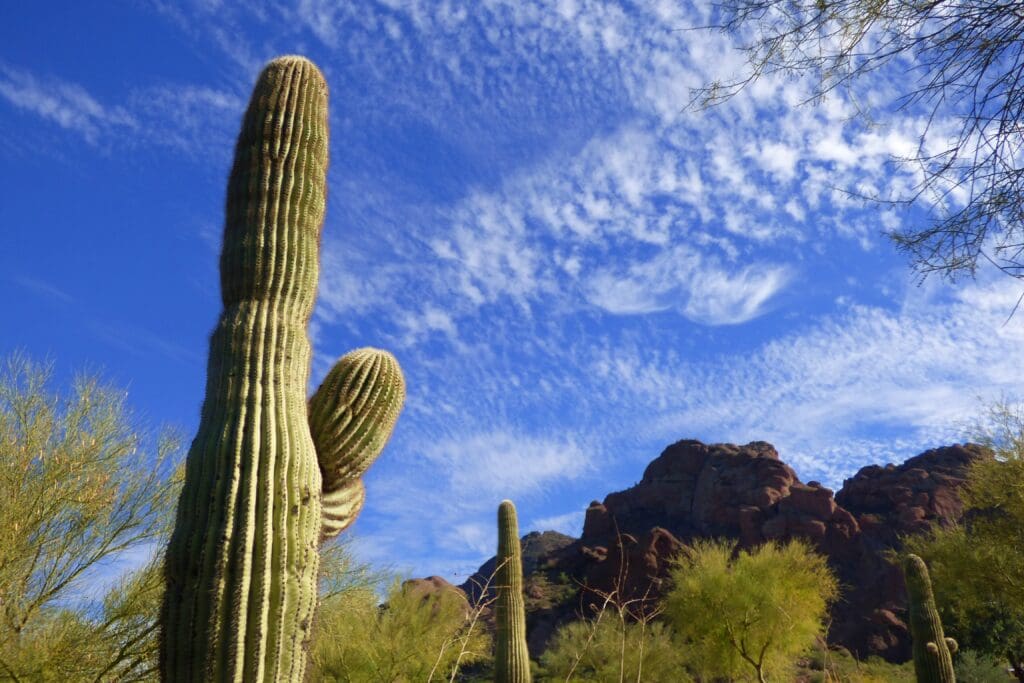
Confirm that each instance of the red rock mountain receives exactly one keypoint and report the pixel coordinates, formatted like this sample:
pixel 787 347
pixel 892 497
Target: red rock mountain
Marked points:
pixel 746 493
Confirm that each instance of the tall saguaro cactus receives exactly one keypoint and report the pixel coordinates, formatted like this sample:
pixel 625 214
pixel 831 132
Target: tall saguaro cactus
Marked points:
pixel 241 566
pixel 933 652
pixel 511 656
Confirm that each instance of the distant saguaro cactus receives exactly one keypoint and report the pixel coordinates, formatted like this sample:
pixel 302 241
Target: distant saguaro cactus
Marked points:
pixel 933 652
pixel 241 565
pixel 511 656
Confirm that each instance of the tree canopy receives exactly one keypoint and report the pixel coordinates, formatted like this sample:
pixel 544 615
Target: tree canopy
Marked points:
pixel 81 485
pixel 749 614
pixel 610 649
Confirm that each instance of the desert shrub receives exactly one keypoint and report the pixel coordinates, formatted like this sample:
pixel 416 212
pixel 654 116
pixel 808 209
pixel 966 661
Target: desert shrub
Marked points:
pixel 541 592
pixel 977 567
pixel 414 636
pixel 836 665
pixel 608 649
pixel 976 667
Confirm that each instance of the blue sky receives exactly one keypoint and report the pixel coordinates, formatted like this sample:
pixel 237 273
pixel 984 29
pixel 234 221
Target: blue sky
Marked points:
pixel 573 269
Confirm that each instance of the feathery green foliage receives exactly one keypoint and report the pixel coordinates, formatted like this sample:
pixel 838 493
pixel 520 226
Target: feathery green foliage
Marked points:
pixel 828 665
pixel 933 652
pixel 79 488
pixel 242 563
pixel 752 614
pixel 607 649
pixel 973 667
pixel 511 656
pixel 413 637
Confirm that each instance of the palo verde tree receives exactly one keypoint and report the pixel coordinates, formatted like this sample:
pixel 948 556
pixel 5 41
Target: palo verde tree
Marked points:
pixel 963 62
pixel 81 484
pixel 749 614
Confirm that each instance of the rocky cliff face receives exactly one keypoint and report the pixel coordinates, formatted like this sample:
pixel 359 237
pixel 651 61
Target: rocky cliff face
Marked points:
pixel 695 490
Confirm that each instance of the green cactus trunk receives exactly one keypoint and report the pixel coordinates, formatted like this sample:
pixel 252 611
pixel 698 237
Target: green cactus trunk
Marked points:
pixel 511 656
pixel 933 652
pixel 242 562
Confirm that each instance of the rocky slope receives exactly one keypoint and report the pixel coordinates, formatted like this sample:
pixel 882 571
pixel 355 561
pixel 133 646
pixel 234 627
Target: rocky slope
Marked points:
pixel 694 490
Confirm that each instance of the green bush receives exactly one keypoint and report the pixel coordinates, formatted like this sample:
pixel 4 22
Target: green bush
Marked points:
pixel 975 667
pixel 81 483
pixel 837 665
pixel 977 568
pixel 414 636
pixel 609 649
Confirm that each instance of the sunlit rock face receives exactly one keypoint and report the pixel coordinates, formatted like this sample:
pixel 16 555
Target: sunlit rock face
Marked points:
pixel 747 493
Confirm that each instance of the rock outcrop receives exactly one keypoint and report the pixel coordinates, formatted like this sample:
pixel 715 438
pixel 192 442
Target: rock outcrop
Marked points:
pixel 695 490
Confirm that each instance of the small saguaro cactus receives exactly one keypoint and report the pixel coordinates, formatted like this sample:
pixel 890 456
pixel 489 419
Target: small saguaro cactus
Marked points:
pixel 511 656
pixel 933 652
pixel 241 565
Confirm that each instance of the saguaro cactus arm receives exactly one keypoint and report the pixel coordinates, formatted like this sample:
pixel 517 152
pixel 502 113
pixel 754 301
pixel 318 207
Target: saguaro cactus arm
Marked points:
pixel 351 417
pixel 242 562
pixel 933 660
pixel 511 656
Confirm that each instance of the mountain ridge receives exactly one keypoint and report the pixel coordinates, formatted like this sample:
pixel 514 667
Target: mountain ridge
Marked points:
pixel 750 495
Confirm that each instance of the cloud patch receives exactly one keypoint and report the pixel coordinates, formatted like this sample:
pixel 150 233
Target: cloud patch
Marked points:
pixel 696 287
pixel 65 104
pixel 504 464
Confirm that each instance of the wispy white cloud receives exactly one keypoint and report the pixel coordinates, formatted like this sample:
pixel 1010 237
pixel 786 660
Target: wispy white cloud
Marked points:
pixel 507 464
pixel 863 385
pixel 196 120
pixel 681 279
pixel 66 104
pixel 139 341
pixel 569 523
pixel 440 499
pixel 200 121
pixel 44 288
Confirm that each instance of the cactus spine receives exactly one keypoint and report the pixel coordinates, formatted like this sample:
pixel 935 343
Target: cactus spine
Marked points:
pixel 511 657
pixel 241 565
pixel 933 652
